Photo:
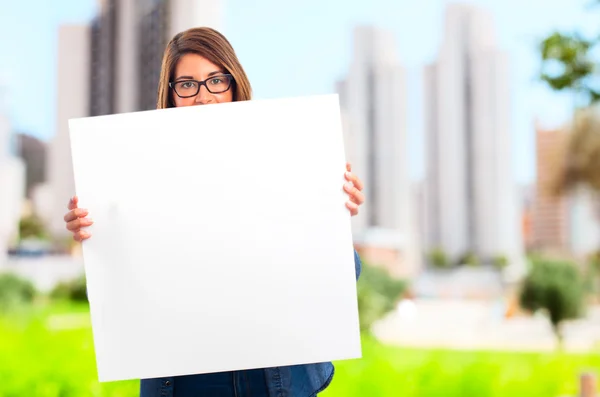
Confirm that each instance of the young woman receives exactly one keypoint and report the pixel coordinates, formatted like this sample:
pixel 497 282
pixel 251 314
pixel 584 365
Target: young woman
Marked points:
pixel 200 67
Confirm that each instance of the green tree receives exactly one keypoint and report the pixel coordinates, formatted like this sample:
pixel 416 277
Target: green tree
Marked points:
pixel 569 64
pixel 556 288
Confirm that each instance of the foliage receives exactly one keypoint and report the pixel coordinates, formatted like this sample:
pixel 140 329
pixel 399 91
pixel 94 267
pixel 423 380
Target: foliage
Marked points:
pixel 75 290
pixel 32 227
pixel 438 258
pixel 15 291
pixel 555 287
pixel 377 294
pixel 567 65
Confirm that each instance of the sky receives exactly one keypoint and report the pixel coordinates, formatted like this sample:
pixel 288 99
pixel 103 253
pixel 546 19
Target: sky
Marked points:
pixel 303 47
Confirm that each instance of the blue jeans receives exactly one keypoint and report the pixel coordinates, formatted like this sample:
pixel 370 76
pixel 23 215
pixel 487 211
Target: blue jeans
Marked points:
pixel 250 383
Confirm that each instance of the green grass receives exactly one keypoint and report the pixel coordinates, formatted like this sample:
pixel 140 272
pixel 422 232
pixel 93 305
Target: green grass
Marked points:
pixel 39 357
pixel 392 371
pixel 48 352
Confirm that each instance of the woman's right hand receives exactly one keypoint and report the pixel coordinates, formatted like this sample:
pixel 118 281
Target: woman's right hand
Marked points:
pixel 76 220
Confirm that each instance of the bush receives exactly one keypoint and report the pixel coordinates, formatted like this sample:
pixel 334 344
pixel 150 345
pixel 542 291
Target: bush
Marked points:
pixel 73 290
pixel 32 227
pixel 438 259
pixel 557 288
pixel 15 291
pixel 500 262
pixel 468 259
pixel 377 294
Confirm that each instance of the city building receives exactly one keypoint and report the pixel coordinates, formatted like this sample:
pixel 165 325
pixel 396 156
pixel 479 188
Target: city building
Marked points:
pixel 550 217
pixel 12 181
pixel 128 38
pixel 33 153
pixel 563 224
pixel 373 102
pixel 471 196
pixel 112 66
pixel 73 96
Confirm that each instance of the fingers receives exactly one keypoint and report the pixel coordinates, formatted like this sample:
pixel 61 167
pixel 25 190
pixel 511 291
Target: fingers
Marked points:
pixel 76 213
pixel 76 219
pixel 73 203
pixel 78 223
pixel 353 207
pixel 356 196
pixel 350 177
pixel 81 235
pixel 348 167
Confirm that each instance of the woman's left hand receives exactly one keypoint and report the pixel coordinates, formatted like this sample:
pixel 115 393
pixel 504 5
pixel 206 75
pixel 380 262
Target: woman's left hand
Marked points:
pixel 354 188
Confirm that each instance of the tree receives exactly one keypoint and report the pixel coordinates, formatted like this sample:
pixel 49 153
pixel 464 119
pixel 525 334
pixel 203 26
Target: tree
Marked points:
pixel 568 64
pixel 556 288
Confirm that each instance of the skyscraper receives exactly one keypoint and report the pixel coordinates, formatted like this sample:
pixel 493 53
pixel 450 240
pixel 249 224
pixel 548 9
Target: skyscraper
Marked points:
pixel 471 196
pixel 12 183
pixel 33 153
pixel 550 211
pixel 127 45
pixel 73 97
pixel 373 101
pixel 113 66
pixel 562 223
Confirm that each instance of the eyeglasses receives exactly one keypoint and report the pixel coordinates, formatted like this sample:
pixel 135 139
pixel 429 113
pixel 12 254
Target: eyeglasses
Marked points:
pixel 189 88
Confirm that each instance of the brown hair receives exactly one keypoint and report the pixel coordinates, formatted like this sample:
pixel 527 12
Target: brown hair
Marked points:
pixel 213 46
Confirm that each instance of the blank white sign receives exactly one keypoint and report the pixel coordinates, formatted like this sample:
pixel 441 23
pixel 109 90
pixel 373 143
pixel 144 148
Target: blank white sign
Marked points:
pixel 221 240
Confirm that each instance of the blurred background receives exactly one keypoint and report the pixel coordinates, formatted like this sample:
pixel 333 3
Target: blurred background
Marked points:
pixel 473 124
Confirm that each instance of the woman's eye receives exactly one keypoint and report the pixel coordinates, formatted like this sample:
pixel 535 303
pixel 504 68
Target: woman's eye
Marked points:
pixel 217 80
pixel 188 84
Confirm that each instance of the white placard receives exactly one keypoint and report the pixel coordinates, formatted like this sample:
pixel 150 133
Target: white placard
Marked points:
pixel 221 240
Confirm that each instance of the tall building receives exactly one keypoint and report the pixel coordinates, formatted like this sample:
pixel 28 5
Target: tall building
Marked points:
pixel 12 188
pixel 127 45
pixel 550 211
pixel 112 66
pixel 471 195
pixel 583 227
pixel 373 102
pixel 73 95
pixel 33 153
pixel 564 224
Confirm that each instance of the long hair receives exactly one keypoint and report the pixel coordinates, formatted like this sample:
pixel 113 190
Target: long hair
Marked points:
pixel 213 46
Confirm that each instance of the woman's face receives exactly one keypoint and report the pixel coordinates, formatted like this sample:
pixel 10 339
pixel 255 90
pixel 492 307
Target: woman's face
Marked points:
pixel 198 68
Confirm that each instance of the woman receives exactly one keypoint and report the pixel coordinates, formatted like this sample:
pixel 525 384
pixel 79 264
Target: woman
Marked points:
pixel 200 67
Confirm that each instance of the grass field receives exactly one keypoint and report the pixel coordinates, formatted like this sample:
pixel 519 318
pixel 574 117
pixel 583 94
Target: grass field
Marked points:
pixel 48 352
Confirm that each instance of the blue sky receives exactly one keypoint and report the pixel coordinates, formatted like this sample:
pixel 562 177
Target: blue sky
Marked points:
pixel 302 48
